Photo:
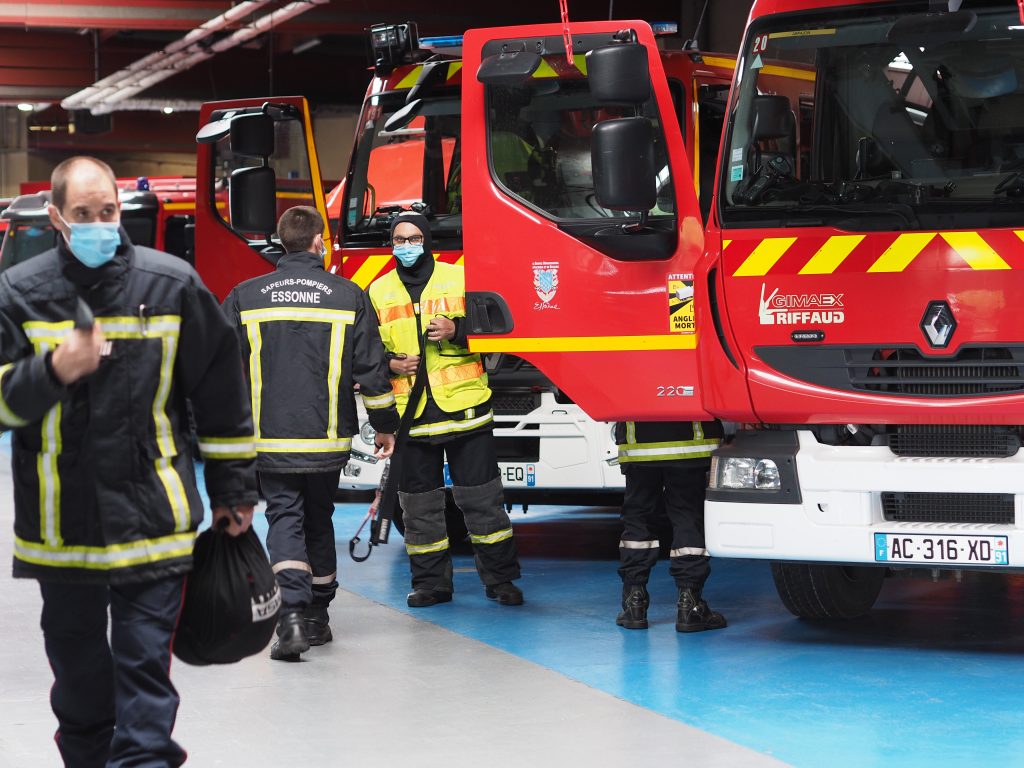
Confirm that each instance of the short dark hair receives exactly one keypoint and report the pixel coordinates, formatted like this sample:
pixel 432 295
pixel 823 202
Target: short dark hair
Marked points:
pixel 59 177
pixel 298 226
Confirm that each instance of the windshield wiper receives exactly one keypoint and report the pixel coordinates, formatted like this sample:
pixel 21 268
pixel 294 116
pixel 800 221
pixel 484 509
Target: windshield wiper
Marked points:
pixel 1012 185
pixel 904 212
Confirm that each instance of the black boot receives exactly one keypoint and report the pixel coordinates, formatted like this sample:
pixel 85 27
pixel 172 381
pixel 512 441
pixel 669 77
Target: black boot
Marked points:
pixel 318 627
pixel 505 593
pixel 291 637
pixel 635 601
pixel 694 615
pixel 424 598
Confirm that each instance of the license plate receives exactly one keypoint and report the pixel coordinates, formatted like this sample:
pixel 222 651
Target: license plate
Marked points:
pixel 512 475
pixel 954 549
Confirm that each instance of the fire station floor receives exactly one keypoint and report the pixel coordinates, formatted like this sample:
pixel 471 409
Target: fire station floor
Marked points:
pixel 932 678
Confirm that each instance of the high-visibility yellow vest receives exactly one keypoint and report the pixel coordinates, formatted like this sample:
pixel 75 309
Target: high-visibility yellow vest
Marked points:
pixel 457 378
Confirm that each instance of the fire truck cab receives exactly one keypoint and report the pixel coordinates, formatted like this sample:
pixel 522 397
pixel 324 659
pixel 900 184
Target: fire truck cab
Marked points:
pixel 409 154
pixel 854 286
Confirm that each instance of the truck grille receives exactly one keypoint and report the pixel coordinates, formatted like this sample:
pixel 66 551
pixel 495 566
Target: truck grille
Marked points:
pixel 902 371
pixel 514 403
pixel 975 371
pixel 989 508
pixel 964 441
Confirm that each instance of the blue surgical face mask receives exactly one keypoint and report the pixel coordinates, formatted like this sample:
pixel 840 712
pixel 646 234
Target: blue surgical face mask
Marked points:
pixel 408 254
pixel 94 243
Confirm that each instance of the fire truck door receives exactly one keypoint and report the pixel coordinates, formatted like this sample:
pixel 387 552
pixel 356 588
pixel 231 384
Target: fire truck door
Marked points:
pixel 582 231
pixel 256 158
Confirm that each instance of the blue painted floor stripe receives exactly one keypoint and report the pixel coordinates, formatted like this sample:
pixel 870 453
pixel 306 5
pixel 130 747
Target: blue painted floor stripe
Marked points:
pixel 931 678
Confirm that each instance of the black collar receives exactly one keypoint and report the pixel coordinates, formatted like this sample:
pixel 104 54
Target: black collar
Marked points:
pixel 79 274
pixel 300 260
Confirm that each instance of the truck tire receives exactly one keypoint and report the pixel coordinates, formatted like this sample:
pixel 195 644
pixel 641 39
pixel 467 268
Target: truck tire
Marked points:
pixel 458 536
pixel 827 591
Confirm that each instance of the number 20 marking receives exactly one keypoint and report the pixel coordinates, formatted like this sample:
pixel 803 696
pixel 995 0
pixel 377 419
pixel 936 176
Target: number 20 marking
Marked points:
pixel 760 44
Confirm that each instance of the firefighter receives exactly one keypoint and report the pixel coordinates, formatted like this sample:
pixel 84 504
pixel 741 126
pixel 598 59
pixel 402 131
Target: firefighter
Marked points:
pixel 105 499
pixel 306 337
pixel 453 419
pixel 666 466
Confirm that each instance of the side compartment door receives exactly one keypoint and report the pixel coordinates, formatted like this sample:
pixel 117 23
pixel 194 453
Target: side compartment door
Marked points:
pixel 256 158
pixel 561 268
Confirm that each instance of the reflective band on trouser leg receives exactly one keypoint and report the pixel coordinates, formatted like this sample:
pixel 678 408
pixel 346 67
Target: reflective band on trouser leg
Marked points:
pixel 228 447
pixel 623 544
pixel 689 552
pixel 491 538
pixel 321 580
pixel 294 565
pixel 8 417
pixel 423 549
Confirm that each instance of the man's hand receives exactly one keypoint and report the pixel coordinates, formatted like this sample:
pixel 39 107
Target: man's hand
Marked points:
pixel 234 527
pixel 441 329
pixel 385 445
pixel 405 366
pixel 78 355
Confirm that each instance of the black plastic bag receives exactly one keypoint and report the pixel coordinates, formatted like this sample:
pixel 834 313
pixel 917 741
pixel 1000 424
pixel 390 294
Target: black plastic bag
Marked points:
pixel 231 600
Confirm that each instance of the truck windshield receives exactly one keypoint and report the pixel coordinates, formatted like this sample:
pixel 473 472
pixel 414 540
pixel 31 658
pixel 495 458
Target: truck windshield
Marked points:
pixel 393 170
pixel 868 118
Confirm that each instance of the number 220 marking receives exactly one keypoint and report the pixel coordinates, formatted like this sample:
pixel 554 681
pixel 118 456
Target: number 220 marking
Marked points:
pixel 675 391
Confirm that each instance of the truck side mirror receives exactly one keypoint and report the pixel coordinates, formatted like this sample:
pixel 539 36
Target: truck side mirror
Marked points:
pixel 619 74
pixel 622 157
pixel 252 135
pixel 252 200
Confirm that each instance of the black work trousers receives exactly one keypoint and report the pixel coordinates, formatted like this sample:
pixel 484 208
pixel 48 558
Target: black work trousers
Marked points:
pixel 300 539
pixel 652 491
pixel 114 701
pixel 476 487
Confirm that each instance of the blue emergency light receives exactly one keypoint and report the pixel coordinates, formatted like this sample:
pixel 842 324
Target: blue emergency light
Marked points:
pixel 661 28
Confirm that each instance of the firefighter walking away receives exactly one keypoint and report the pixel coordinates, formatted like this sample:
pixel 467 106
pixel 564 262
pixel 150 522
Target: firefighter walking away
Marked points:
pixel 666 466
pixel 307 337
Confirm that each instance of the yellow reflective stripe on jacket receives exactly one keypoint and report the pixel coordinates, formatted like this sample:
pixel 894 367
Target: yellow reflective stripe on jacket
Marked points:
pixel 7 416
pixel 298 314
pixel 376 402
pixel 227 447
pixel 298 445
pixel 106 558
pixel 169 477
pixel 684 449
pixel 450 427
pixel 44 337
pixel 422 549
pixel 135 327
pixel 337 319
pixel 491 538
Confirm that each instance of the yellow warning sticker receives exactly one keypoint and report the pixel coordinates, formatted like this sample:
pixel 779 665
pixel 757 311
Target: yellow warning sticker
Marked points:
pixel 680 304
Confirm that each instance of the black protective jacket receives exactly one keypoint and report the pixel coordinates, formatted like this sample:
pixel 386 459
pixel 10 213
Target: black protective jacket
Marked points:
pixel 104 477
pixel 307 338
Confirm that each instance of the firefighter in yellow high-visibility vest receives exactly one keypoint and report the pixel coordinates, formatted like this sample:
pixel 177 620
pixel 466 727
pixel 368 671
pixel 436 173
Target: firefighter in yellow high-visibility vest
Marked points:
pixel 666 466
pixel 453 419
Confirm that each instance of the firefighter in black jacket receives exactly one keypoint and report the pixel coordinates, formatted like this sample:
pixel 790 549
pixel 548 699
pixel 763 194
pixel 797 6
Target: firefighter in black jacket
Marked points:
pixel 307 336
pixel 666 466
pixel 106 505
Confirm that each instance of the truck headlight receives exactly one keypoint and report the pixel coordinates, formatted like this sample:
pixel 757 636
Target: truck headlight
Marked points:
pixel 367 433
pixel 742 473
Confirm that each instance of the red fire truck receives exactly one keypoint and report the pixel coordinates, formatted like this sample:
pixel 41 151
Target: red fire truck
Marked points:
pixel 155 211
pixel 408 154
pixel 853 287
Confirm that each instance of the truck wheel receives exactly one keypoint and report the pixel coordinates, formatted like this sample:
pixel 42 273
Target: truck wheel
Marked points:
pixel 827 591
pixel 458 536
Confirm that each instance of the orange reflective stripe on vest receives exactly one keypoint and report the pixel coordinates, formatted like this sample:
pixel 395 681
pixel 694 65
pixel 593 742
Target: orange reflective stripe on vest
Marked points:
pixel 390 314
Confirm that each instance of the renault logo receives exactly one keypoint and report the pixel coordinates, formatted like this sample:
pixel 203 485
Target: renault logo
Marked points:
pixel 938 324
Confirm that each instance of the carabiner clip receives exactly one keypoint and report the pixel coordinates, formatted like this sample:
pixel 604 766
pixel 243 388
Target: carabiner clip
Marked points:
pixel 354 541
